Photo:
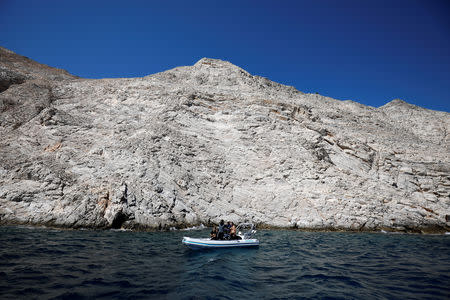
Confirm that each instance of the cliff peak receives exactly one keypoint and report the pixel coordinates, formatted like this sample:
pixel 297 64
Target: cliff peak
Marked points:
pixel 399 104
pixel 215 63
pixel 218 65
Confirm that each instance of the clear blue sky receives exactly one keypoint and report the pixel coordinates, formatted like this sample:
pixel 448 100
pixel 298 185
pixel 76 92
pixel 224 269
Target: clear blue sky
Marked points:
pixel 363 50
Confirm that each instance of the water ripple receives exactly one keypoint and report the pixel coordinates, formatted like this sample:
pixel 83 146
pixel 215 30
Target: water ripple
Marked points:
pixel 58 264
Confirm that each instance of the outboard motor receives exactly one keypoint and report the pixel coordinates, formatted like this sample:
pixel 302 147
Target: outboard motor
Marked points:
pixel 245 230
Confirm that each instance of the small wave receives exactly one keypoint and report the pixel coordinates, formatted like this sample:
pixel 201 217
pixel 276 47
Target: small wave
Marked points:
pixel 120 229
pixel 32 227
pixel 391 232
pixel 447 233
pixel 199 227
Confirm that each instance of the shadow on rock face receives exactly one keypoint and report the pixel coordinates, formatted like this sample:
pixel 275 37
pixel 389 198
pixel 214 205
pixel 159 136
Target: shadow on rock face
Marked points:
pixel 119 220
pixel 5 83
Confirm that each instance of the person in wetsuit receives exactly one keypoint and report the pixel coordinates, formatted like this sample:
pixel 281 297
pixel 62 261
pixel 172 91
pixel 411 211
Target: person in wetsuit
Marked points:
pixel 221 230
pixel 226 231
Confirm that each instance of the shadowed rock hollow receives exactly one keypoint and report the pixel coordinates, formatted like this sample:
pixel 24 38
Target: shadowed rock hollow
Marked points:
pixel 200 143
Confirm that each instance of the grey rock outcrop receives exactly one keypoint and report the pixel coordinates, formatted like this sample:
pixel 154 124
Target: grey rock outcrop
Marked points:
pixel 200 143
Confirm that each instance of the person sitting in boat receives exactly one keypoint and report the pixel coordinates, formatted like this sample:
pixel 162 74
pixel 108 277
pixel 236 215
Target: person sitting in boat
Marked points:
pixel 233 235
pixel 232 231
pixel 221 230
pixel 214 233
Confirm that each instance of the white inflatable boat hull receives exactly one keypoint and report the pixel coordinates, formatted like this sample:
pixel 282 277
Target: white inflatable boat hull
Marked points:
pixel 194 243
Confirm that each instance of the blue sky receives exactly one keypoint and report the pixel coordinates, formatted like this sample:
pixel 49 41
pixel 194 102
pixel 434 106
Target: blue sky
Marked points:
pixel 367 51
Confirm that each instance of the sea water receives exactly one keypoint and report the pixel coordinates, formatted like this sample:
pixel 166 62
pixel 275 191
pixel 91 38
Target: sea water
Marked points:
pixel 46 263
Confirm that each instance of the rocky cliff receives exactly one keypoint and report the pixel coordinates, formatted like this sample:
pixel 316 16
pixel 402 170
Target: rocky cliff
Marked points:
pixel 200 143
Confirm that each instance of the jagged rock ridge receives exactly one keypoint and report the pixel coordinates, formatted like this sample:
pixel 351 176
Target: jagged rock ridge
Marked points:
pixel 200 143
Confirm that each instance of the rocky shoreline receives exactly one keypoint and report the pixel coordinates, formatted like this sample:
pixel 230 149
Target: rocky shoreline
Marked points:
pixel 201 226
pixel 200 143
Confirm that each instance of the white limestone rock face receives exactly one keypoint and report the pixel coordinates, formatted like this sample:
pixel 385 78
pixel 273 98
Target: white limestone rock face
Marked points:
pixel 207 142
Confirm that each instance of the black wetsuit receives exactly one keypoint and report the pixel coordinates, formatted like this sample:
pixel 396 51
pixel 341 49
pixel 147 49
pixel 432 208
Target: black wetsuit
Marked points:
pixel 221 229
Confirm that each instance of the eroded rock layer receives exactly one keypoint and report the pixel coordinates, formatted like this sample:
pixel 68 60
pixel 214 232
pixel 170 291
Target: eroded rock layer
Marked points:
pixel 200 143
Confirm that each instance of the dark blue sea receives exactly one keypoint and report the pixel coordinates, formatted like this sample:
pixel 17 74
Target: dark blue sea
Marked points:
pixel 44 263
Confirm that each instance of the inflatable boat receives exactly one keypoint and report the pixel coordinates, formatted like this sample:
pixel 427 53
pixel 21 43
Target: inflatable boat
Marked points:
pixel 245 231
